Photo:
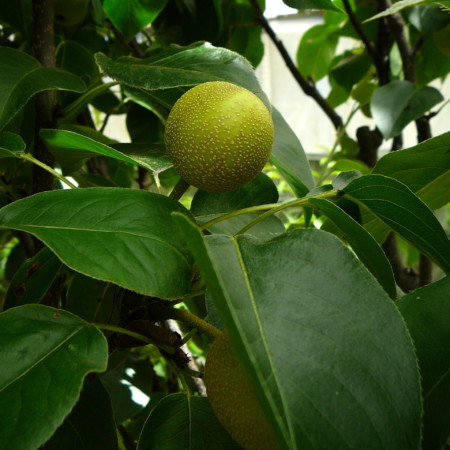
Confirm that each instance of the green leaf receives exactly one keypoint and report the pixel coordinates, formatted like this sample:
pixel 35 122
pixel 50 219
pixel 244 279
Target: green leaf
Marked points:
pixel 131 16
pixel 128 375
pixel 44 353
pixel 125 236
pixel 206 206
pixel 398 207
pixel 289 157
pixel 328 5
pixel 92 300
pixel 428 18
pixel 11 145
pixel 350 68
pixel 427 315
pixel 184 422
pixel 18 15
pixel 430 62
pixel 364 245
pixel 78 432
pixel 79 148
pixel 182 67
pixel 246 40
pixel 75 58
pixel 33 279
pixel 396 104
pixel 397 7
pixel 341 390
pixel 424 168
pixel 316 51
pixel 21 76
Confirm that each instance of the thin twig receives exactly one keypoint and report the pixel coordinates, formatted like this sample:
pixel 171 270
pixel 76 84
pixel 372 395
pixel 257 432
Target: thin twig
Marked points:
pixel 359 30
pixel 308 87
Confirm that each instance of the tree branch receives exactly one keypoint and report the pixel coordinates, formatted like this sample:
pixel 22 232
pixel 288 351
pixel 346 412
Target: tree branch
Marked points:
pixel 406 279
pixel 308 87
pixel 44 51
pixel 397 28
pixel 370 48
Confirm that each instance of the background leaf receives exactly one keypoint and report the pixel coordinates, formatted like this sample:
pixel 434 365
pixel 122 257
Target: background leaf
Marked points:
pixel 314 4
pixel 11 145
pixel 398 6
pixel 184 422
pixel 427 315
pixel 32 279
pixel 348 362
pixel 398 103
pixel 289 157
pixel 21 76
pixel 131 16
pixel 90 230
pixel 316 51
pixel 92 300
pixel 90 425
pixel 44 353
pixel 403 212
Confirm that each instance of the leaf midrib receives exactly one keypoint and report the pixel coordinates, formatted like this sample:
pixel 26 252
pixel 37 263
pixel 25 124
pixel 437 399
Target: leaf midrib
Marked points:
pixel 49 227
pixel 264 340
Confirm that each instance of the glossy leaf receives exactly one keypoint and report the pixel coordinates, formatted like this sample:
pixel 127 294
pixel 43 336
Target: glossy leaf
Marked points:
pixel 84 147
pixel 424 168
pixel 328 5
pixel 92 300
pixel 71 160
pixel 21 76
pixel 397 7
pixel 206 206
pixel 11 145
pixel 403 212
pixel 350 68
pixel 428 18
pixel 131 16
pixel 427 315
pixel 341 388
pixel 289 157
pixel 129 383
pixel 184 422
pixel 181 67
pixel 125 236
pixel 90 425
pixel 77 59
pixel 33 279
pixel 363 244
pixel 316 51
pixel 44 353
pixel 398 103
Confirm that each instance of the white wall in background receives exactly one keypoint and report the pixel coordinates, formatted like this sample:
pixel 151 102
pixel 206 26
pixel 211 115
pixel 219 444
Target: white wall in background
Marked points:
pixel 308 121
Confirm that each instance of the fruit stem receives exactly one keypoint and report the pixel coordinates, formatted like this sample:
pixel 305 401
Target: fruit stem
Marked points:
pixel 32 159
pixel 180 188
pixel 133 334
pixel 166 312
pixel 239 212
pixel 187 297
pixel 304 201
pixel 272 207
